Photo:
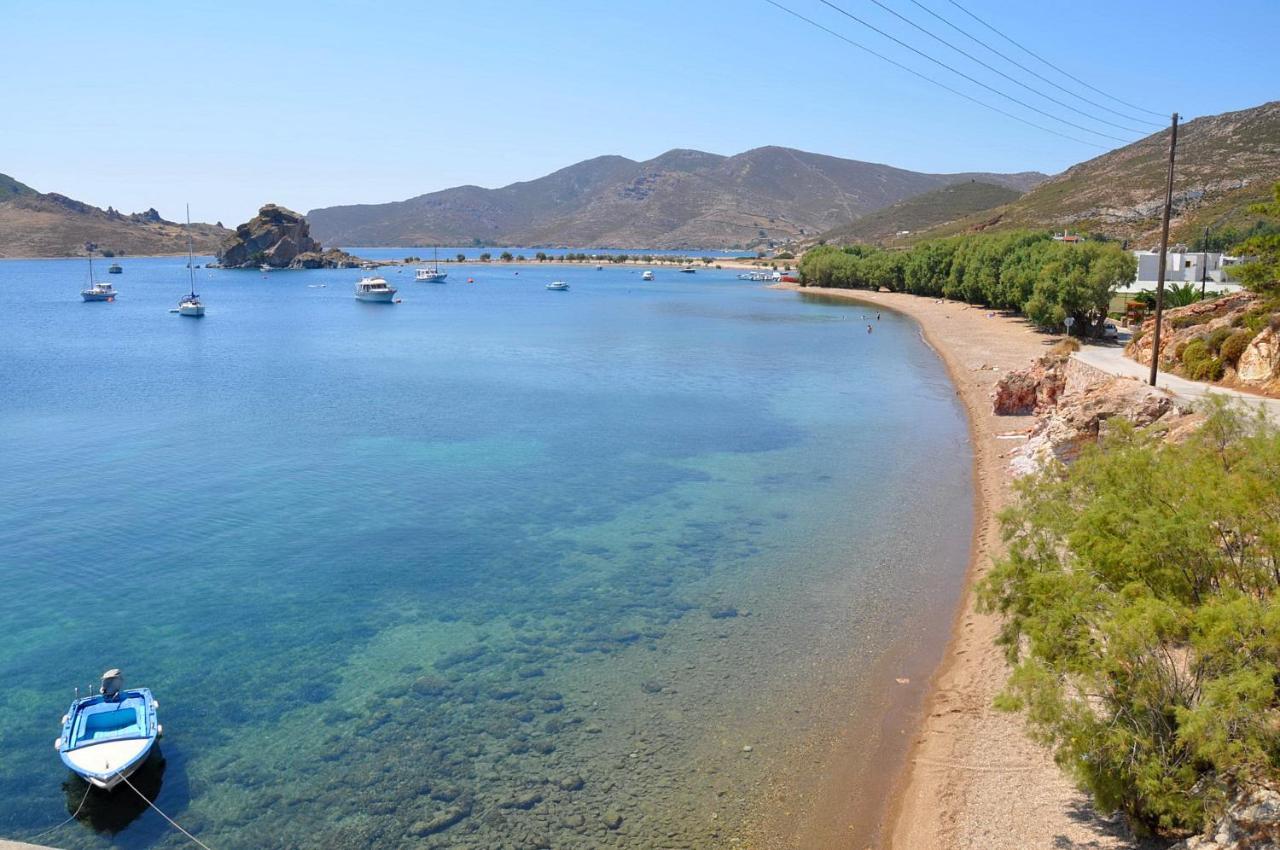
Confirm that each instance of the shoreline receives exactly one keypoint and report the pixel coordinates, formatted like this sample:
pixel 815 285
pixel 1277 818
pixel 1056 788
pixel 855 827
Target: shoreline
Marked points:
pixel 970 777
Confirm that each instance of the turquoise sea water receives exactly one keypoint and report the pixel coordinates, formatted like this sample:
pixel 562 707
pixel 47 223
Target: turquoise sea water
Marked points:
pixel 492 567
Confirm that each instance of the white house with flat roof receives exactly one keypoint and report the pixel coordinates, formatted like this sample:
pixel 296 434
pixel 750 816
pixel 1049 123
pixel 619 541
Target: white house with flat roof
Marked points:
pixel 1183 266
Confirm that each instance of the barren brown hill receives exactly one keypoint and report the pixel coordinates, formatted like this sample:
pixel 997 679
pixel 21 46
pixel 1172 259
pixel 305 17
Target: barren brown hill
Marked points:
pixel 906 218
pixel 1225 163
pixel 681 199
pixel 36 224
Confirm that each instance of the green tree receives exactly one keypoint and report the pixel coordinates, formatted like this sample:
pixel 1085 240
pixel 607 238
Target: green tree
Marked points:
pixel 1262 273
pixel 486 257
pixel 1139 607
pixel 541 256
pixel 462 258
pixel 506 257
pixel 1078 281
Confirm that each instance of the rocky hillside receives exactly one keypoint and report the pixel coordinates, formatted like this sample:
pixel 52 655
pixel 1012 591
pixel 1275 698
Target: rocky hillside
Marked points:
pixel 1225 163
pixel 914 215
pixel 681 199
pixel 1233 340
pixel 36 224
pixel 279 238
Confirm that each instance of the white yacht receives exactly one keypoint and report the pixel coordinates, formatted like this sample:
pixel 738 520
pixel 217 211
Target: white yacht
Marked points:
pixel 367 266
pixel 374 289
pixel 190 305
pixel 97 291
pixel 647 276
pixel 432 274
pixel 558 286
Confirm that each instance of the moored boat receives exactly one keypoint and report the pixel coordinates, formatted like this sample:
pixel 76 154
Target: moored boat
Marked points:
pixel 374 289
pixel 107 736
pixel 558 286
pixel 190 305
pixel 97 291
pixel 115 268
pixel 432 274
pixel 647 276
pixel 689 270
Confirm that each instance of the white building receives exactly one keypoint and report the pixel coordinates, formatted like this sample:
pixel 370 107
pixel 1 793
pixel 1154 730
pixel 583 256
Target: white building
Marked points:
pixel 1182 267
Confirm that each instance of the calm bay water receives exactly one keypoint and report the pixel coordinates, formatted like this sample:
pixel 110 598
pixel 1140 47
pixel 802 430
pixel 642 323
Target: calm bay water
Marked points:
pixel 493 567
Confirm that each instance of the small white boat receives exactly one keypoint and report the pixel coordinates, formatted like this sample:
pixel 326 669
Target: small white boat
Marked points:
pixel 114 268
pixel 647 276
pixel 432 274
pixel 190 305
pixel 106 737
pixel 97 291
pixel 558 286
pixel 264 268
pixel 689 270
pixel 367 266
pixel 374 289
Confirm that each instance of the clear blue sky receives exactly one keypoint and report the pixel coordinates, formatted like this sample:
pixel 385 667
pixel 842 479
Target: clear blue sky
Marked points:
pixel 233 104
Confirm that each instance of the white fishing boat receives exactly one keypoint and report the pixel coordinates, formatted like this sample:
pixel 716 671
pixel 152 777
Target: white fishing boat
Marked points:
pixel 558 286
pixel 190 305
pixel 374 289
pixel 647 276
pixel 432 274
pixel 367 266
pixel 97 291
pixel 107 736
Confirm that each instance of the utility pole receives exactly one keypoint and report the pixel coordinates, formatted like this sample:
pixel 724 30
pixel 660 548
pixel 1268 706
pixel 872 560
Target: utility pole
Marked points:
pixel 1204 261
pixel 1164 253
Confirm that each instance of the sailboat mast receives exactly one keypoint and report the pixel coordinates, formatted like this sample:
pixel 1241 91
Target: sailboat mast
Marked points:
pixel 191 270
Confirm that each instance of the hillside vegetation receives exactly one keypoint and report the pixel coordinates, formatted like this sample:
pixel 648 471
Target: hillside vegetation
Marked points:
pixel 921 213
pixel 1225 164
pixel 683 199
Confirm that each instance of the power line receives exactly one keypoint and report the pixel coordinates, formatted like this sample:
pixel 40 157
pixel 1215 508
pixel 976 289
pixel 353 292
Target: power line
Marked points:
pixel 929 79
pixel 1030 52
pixel 1034 73
pixel 995 70
pixel 973 80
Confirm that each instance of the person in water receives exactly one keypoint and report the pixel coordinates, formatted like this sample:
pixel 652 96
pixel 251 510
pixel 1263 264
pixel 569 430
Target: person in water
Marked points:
pixel 868 328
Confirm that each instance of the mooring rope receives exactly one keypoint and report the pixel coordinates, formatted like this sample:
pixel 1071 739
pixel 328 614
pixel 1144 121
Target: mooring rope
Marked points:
pixel 171 821
pixel 65 822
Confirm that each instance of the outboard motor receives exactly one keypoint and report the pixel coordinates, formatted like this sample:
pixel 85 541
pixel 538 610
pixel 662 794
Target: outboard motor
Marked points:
pixel 112 682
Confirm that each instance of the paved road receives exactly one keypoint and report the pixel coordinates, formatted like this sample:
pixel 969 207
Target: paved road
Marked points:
pixel 1111 359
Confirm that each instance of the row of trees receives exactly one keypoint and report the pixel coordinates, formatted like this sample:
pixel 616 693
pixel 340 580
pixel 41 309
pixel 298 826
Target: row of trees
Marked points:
pixel 1026 271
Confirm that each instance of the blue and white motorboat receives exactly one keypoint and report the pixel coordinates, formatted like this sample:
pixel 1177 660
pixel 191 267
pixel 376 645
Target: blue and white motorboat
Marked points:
pixel 432 274
pixel 558 286
pixel 106 737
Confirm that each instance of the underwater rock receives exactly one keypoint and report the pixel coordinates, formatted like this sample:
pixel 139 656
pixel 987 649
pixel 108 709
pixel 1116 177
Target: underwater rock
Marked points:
pixel 429 686
pixel 524 801
pixel 571 782
pixel 449 817
pixel 725 613
pixel 651 686
pixel 612 819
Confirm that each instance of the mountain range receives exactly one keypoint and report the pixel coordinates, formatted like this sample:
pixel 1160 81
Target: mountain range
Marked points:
pixel 681 199
pixel 38 224
pixel 1224 164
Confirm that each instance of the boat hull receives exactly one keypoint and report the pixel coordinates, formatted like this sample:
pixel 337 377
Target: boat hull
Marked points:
pixel 104 740
pixel 376 297
pixel 193 311
pixel 98 296
pixel 437 277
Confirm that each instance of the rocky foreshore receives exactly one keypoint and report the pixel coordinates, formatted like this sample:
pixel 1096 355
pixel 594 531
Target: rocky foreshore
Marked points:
pixel 281 239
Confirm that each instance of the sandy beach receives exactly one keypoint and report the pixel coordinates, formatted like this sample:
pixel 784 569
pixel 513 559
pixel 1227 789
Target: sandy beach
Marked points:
pixel 973 779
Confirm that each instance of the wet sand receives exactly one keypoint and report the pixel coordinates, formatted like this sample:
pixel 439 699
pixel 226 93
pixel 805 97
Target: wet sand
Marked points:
pixel 972 778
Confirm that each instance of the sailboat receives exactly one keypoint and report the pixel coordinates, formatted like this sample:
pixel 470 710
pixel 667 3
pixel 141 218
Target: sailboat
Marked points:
pixel 190 305
pixel 97 291
pixel 433 274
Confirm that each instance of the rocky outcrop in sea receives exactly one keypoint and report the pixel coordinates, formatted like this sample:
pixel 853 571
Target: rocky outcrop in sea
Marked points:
pixel 280 238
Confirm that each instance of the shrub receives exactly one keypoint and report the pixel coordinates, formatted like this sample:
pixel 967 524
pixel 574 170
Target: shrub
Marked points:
pixel 1215 339
pixel 1138 335
pixel 1188 320
pixel 1208 369
pixel 1065 346
pixel 1235 345
pixel 1140 610
pixel 1193 353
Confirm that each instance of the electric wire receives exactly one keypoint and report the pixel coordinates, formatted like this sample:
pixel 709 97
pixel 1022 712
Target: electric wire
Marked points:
pixel 971 79
pixel 1032 53
pixel 1040 76
pixel 929 79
